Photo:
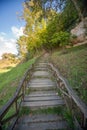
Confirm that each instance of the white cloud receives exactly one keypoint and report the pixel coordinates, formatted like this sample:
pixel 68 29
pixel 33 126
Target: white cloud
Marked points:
pixel 17 31
pixel 7 45
pixel 1 38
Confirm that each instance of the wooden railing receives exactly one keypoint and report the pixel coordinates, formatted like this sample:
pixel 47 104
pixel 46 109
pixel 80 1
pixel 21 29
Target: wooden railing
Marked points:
pixel 16 101
pixel 73 102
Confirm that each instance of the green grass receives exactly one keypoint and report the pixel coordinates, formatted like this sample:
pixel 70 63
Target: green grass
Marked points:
pixel 73 66
pixel 56 110
pixel 9 81
pixel 69 118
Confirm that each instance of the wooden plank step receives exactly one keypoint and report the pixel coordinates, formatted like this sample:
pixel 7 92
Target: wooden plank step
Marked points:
pixel 39 87
pixel 42 83
pixel 43 98
pixel 42 93
pixel 46 67
pixel 61 125
pixel 42 88
pixel 42 104
pixel 40 68
pixel 41 73
pixel 40 118
pixel 37 94
pixel 42 80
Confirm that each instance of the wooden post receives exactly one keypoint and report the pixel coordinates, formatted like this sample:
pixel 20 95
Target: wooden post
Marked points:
pixel 84 122
pixel 23 90
pixel 16 106
pixel 71 105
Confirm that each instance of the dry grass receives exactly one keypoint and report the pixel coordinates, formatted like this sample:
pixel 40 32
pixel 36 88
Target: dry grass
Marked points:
pixel 6 65
pixel 73 66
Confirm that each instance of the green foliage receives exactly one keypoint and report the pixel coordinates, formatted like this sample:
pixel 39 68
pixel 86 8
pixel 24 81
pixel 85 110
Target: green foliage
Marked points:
pixel 61 38
pixel 48 24
pixel 69 16
pixel 68 116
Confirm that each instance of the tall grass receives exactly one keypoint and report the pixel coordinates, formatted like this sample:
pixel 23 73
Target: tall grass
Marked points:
pixel 73 66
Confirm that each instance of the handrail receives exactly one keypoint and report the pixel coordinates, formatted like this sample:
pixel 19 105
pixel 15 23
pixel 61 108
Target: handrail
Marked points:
pixel 6 107
pixel 82 106
pixel 20 89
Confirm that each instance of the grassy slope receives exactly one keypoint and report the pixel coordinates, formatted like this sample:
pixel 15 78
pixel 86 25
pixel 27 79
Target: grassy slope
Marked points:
pixel 73 65
pixel 10 80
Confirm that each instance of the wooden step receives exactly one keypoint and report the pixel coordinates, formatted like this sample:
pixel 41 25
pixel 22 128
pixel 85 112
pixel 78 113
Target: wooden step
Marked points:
pixel 42 93
pixel 40 118
pixel 41 98
pixel 41 122
pixel 41 87
pixel 37 86
pixel 41 80
pixel 43 126
pixel 42 104
pixel 41 65
pixel 41 83
pixel 40 68
pixel 41 74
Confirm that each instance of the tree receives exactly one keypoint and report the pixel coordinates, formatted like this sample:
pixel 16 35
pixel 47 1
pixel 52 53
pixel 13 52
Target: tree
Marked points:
pixel 8 56
pixel 22 42
pixel 47 23
pixel 78 9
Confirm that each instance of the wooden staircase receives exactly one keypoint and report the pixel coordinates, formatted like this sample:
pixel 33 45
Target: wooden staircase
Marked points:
pixel 42 95
pixel 37 104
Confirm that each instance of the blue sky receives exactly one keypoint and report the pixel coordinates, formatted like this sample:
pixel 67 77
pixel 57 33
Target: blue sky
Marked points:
pixel 11 27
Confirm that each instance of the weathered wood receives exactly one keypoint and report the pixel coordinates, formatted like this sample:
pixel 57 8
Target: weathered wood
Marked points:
pixel 16 96
pixel 41 118
pixel 41 74
pixel 79 103
pixel 8 105
pixel 42 93
pixel 78 127
pixel 42 98
pixel 71 92
pixel 38 104
pixel 9 118
pixel 13 123
pixel 60 125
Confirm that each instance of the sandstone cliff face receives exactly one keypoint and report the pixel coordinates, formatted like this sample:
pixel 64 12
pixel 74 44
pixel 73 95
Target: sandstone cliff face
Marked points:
pixel 80 31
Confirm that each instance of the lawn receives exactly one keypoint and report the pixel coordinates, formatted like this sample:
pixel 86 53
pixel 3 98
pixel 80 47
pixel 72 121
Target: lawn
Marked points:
pixel 9 80
pixel 73 65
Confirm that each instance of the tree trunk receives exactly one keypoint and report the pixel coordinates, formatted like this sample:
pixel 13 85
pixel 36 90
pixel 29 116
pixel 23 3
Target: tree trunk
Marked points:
pixel 78 9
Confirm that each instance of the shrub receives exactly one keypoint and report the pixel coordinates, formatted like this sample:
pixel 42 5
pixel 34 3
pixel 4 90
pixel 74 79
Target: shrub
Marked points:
pixel 61 38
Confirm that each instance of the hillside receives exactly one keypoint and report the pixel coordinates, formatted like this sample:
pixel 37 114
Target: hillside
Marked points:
pixel 9 81
pixel 73 66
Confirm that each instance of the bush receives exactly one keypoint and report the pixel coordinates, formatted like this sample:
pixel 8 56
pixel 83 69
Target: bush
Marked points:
pixel 60 38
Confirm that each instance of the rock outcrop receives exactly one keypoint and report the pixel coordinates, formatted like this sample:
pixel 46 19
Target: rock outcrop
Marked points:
pixel 80 31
